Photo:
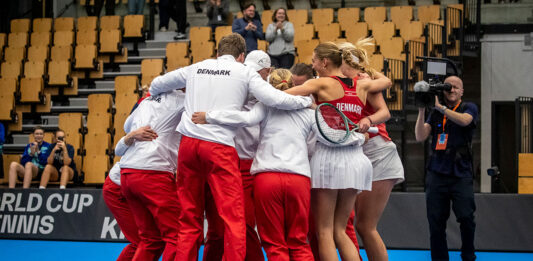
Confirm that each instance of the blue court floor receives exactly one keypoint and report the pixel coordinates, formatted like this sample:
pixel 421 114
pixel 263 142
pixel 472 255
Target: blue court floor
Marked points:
pixel 81 251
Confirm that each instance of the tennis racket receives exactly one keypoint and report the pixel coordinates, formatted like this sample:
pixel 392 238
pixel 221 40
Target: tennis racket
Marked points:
pixel 333 125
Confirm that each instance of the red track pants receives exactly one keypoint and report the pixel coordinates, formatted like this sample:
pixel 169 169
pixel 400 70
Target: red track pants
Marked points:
pixel 200 163
pixel 282 211
pixel 350 231
pixel 214 245
pixel 152 198
pixel 118 206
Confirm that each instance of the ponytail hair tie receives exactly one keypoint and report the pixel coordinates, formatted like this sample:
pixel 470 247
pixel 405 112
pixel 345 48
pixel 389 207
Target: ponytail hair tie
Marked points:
pixel 284 81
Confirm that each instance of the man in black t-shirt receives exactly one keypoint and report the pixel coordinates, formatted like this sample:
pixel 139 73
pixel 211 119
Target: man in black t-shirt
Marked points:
pixel 449 171
pixel 61 165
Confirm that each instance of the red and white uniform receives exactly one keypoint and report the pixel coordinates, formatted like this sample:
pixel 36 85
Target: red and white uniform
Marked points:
pixel 119 207
pixel 207 153
pixel 147 175
pixel 282 177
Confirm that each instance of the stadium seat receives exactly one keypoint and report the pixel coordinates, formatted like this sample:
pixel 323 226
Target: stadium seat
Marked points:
pixel 47 105
pixel 266 18
pixel 11 69
pixel 347 17
pixel 7 98
pixel 64 24
pixel 38 53
pixel 322 16
pixel 376 62
pixel 42 25
pixel 41 38
pixel 392 48
pixel 200 34
pixel 305 50
pixel 111 22
pixel 100 103
pixel 151 68
pixel 59 72
pixel 133 26
pixel 87 23
pixel 126 96
pixel 99 72
pixel 401 15
pixel 72 124
pixel 428 13
pixel 86 37
pixel 202 51
pixel 298 17
pixel 262 45
pixel 20 25
pixel 177 55
pixel 61 53
pixel 63 38
pixel 375 15
pixel 85 57
pixel 3 38
pixel 356 32
pixel 303 32
pixel 17 40
pixel 412 30
pixel 383 31
pixel 14 54
pixel 32 84
pixel 328 32
pixel 16 125
pixel 99 122
pixel 7 159
pixel 110 41
pixel 221 31
pixel 95 165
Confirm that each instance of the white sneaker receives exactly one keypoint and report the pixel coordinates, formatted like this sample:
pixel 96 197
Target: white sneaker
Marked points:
pixel 162 29
pixel 180 36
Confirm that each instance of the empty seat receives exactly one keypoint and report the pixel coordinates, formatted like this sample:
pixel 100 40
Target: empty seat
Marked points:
pixel 61 53
pixel 17 124
pixel 20 25
pixel 86 37
pixel 100 103
pixel 59 72
pixel 177 55
pixel 64 24
pixel 87 23
pixel 305 50
pixel 95 165
pixel 375 15
pixel 72 124
pixel 347 17
pixel 42 25
pixel 150 68
pixel 11 69
pixel 262 45
pixel 99 72
pixel 38 53
pixel 401 15
pixel 298 17
pixel 323 16
pixel 383 31
pixel 133 26
pixel 356 32
pixel 266 18
pixel 303 32
pixel 200 34
pixel 7 98
pixel 110 41
pixel 202 51
pixel 64 38
pixel 3 38
pixel 99 122
pixel 17 40
pixel 111 22
pixel 392 48
pixel 14 54
pixel 428 13
pixel 221 31
pixel 41 38
pixel 376 62
pixel 85 57
pixel 47 105
pixel 31 86
pixel 328 32
pixel 412 30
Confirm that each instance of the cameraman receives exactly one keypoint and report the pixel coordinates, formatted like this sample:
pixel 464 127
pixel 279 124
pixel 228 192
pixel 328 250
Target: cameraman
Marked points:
pixel 61 164
pixel 449 171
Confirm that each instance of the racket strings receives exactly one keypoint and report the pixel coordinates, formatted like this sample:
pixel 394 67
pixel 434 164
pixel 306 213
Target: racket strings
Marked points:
pixel 331 124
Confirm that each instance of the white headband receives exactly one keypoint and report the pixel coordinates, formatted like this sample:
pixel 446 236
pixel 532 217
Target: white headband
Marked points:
pixel 355 59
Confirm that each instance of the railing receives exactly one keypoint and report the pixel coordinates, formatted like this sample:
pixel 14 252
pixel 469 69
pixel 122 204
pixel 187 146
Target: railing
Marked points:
pixel 472 24
pixel 453 18
pixel 435 33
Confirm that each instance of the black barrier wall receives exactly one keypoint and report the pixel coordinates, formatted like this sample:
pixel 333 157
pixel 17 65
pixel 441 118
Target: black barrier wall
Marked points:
pixel 53 214
pixel 504 221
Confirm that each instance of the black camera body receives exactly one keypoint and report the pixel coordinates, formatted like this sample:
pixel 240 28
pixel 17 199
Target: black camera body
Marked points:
pixel 435 72
pixel 425 96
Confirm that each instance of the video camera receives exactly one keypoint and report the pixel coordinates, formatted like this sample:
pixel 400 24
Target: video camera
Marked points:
pixel 435 71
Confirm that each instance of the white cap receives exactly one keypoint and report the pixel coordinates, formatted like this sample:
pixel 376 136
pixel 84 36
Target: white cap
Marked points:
pixel 257 60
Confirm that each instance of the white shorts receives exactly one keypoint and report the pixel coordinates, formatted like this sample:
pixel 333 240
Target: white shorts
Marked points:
pixel 385 160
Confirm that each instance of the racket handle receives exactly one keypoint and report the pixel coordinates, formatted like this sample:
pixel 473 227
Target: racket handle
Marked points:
pixel 373 130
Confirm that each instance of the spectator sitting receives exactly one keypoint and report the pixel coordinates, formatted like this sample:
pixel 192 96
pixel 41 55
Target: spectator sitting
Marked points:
pixel 280 36
pixel 249 27
pixel 61 165
pixel 33 160
pixel 217 12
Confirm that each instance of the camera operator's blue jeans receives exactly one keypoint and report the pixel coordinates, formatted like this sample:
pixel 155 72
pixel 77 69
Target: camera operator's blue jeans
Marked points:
pixel 440 191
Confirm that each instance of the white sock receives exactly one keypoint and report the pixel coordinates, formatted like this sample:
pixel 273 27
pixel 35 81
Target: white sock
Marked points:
pixel 41 187
pixel 62 187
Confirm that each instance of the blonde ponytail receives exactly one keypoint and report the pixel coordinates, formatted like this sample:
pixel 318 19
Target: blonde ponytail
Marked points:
pixel 281 79
pixel 356 56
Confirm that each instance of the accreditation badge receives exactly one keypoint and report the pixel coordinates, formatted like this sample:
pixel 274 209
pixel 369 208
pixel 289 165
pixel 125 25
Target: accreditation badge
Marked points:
pixel 442 141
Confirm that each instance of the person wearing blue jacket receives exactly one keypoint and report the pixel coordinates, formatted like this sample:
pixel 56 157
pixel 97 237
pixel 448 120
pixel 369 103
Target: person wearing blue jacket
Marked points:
pixel 33 160
pixel 249 27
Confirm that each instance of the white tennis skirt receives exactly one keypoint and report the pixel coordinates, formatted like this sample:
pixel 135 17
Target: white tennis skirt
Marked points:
pixel 340 168
pixel 385 160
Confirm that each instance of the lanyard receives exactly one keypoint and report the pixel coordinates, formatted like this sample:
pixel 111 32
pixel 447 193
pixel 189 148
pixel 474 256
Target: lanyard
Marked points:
pixel 445 119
